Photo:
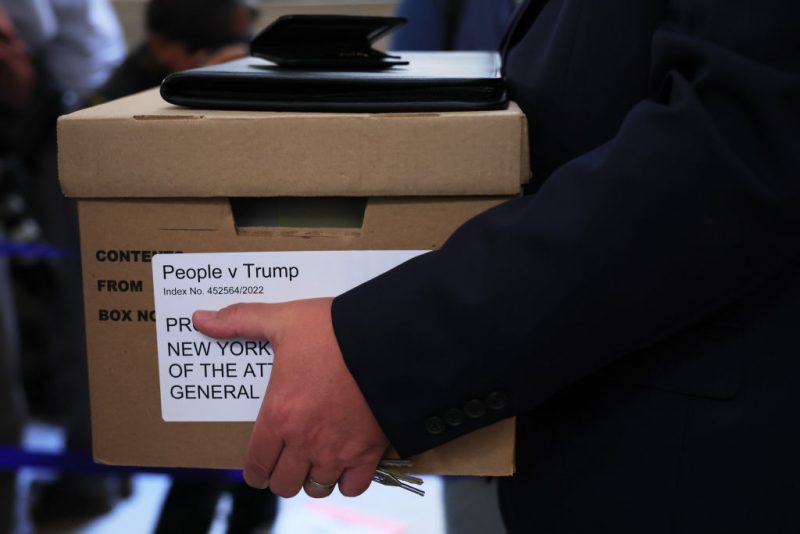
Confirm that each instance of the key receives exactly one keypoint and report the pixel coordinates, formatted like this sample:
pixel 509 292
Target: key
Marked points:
pixel 388 478
pixel 392 465
pixel 388 475
pixel 402 477
pixel 397 463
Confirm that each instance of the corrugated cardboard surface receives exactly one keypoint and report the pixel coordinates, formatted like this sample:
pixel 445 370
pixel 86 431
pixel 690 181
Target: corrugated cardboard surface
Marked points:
pixel 123 364
pixel 142 147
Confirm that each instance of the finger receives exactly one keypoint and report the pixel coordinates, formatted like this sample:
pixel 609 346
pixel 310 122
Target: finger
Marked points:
pixel 263 451
pixel 250 320
pixel 289 474
pixel 321 481
pixel 356 480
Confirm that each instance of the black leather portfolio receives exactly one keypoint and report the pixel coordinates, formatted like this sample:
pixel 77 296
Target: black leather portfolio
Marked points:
pixel 326 41
pixel 327 63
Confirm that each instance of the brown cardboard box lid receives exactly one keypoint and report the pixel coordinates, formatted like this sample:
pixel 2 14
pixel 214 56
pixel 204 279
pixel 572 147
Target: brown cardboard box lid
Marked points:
pixel 142 147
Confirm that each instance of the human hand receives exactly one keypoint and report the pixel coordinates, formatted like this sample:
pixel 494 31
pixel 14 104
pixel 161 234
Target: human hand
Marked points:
pixel 314 424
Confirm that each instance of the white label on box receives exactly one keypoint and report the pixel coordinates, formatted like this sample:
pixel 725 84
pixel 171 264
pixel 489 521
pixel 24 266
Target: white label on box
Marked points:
pixel 204 379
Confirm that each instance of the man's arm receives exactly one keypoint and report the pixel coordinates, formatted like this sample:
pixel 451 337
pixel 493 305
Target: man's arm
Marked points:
pixel 692 204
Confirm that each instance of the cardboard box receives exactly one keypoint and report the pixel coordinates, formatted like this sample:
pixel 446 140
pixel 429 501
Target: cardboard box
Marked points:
pixel 151 177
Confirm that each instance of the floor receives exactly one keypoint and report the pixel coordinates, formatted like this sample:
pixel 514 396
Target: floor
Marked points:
pixel 380 510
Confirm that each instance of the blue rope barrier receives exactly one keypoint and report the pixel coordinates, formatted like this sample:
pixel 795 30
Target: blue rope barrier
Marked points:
pixel 36 251
pixel 13 458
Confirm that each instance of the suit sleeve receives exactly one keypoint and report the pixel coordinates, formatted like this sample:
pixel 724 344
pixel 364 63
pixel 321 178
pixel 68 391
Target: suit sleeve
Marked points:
pixel 693 204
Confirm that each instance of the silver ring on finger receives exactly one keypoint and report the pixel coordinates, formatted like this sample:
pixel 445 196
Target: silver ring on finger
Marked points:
pixel 320 486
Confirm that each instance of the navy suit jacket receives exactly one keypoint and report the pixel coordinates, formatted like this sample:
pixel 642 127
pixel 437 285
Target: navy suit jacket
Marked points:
pixel 640 312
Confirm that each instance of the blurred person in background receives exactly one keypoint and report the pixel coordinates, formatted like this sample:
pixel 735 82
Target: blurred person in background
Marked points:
pixel 181 34
pixel 17 83
pixel 470 503
pixel 76 42
pixel 74 45
pixel 17 75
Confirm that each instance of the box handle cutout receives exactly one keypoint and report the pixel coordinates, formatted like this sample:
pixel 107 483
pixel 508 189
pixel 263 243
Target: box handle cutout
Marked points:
pixel 299 212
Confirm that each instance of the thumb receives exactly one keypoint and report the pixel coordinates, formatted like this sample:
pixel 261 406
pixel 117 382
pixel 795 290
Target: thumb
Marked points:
pixel 254 320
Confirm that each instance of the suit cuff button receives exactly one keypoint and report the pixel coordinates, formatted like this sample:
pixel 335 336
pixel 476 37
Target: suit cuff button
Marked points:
pixel 454 417
pixel 475 409
pixel 496 401
pixel 434 425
